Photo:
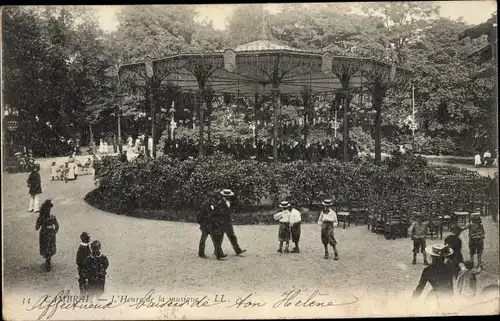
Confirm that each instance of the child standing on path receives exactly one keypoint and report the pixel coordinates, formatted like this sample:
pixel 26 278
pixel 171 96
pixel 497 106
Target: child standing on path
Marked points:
pixel 327 220
pixel 477 160
pixel 295 219
pixel 95 267
pixel 81 255
pixel 53 171
pixel 476 238
pixel 284 230
pixel 418 234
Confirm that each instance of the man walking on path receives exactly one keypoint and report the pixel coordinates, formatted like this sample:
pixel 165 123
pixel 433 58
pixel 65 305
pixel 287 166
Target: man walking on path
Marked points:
pixel 35 189
pixel 222 223
pixel 204 219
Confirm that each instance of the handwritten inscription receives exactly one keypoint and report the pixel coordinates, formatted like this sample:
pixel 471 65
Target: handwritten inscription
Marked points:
pixel 47 306
pixel 293 298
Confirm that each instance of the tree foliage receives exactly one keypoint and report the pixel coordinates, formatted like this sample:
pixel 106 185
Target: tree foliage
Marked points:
pixel 60 67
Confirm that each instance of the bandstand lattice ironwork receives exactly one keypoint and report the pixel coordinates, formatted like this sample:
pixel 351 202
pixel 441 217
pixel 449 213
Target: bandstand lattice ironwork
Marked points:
pixel 268 68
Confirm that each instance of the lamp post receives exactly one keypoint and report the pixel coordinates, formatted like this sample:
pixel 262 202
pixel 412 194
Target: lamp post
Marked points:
pixel 118 116
pixel 335 126
pixel 413 124
pixel 172 125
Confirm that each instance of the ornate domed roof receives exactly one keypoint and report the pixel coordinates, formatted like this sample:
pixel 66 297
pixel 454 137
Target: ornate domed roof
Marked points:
pixel 261 45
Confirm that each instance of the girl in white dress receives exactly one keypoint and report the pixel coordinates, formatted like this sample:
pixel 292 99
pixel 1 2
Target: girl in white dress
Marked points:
pixel 71 171
pixel 477 160
pixel 101 146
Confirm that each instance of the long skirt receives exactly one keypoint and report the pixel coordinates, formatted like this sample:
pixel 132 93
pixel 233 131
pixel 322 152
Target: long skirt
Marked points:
pixel 327 236
pixel 71 172
pixel 295 232
pixel 47 242
pixel 284 232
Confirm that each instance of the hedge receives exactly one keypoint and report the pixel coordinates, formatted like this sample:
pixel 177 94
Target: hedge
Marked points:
pixel 163 185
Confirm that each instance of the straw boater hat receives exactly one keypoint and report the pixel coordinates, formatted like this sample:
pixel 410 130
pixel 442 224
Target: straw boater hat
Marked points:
pixel 327 202
pixel 475 215
pixel 439 250
pixel 227 192
pixel 284 204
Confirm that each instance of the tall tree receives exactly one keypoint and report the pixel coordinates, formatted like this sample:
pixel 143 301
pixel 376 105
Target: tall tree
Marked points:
pixel 403 22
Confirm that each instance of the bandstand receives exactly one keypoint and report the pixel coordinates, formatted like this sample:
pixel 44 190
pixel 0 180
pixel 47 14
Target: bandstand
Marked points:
pixel 263 68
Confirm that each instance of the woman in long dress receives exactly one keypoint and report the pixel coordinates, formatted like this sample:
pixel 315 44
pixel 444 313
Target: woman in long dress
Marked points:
pixel 48 226
pixel 71 171
pixel 101 146
pixel 477 160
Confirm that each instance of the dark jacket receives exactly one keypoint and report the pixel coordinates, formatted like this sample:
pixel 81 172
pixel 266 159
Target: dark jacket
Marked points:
pixel 204 219
pixel 440 276
pixel 34 183
pixel 455 244
pixel 221 214
pixel 82 253
pixel 94 268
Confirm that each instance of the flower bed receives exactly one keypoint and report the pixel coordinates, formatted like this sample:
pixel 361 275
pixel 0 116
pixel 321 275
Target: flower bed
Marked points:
pixel 164 188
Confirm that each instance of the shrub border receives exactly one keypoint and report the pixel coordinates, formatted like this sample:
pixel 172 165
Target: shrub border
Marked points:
pixel 250 215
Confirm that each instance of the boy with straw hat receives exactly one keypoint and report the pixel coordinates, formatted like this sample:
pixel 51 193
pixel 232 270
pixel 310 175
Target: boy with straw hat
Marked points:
pixel 418 234
pixel 284 229
pixel 327 220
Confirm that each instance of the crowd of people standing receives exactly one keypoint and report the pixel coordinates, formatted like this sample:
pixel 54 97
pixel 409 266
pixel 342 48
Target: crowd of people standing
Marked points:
pixel 262 151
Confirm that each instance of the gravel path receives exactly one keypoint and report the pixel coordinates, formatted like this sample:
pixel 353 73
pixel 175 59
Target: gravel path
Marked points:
pixel 146 254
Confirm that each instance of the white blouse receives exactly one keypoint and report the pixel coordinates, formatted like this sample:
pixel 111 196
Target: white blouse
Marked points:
pixel 288 216
pixel 329 216
pixel 283 216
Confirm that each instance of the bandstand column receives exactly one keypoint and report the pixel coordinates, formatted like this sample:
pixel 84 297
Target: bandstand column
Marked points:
pixel 255 136
pixel 120 145
pixel 275 94
pixel 345 136
pixel 202 104
pixel 378 97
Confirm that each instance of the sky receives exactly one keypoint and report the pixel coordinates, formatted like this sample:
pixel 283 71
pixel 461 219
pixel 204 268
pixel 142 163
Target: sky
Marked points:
pixel 473 12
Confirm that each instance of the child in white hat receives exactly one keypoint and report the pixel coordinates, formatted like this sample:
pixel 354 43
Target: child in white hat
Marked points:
pixel 327 220
pixel 284 229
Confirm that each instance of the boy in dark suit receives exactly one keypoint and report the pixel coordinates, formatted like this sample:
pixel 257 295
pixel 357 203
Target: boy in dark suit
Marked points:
pixel 81 255
pixel 95 267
